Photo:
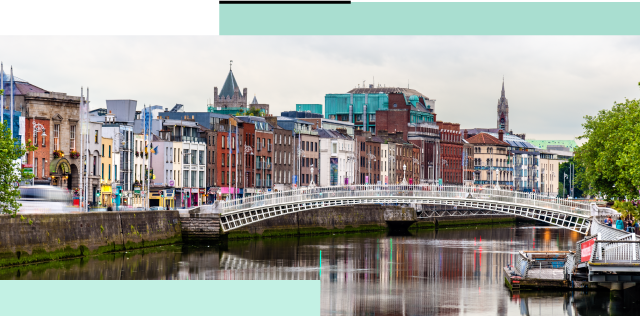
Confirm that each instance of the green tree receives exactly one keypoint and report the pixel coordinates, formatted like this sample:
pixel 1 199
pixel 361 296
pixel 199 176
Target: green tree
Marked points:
pixel 565 167
pixel 10 172
pixel 251 112
pixel 610 157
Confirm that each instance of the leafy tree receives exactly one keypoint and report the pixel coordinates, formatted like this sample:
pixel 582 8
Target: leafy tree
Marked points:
pixel 252 111
pixel 10 173
pixel 611 154
pixel 566 168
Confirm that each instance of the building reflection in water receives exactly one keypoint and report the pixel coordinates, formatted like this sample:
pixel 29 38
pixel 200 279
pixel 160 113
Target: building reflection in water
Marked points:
pixel 429 272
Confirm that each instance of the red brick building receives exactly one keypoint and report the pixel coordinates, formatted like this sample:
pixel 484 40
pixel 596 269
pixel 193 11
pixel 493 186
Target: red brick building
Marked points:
pixel 42 155
pixel 451 146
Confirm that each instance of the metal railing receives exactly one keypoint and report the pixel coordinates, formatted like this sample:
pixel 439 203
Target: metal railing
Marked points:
pixel 420 191
pixel 624 250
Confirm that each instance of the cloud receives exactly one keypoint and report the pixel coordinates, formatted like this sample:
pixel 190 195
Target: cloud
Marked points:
pixel 551 81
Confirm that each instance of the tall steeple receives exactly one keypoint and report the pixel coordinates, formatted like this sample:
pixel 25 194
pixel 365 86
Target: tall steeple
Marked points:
pixel 503 111
pixel 230 95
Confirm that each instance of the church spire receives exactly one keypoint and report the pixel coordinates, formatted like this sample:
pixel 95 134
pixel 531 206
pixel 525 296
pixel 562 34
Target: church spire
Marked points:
pixel 503 86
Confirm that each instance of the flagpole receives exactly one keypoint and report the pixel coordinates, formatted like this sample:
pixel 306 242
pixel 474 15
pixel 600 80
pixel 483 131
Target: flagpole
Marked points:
pixel 12 102
pixel 81 172
pixel 85 113
pixel 230 152
pixel 237 154
pixel 2 95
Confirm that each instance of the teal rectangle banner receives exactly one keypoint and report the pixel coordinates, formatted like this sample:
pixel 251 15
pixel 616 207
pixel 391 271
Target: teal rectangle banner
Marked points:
pixel 432 18
pixel 160 297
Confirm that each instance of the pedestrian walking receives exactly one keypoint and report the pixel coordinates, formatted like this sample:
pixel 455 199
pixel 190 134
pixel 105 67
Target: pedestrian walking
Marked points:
pixel 610 221
pixel 620 224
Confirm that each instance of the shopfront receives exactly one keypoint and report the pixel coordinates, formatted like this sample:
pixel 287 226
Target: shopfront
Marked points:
pixel 105 195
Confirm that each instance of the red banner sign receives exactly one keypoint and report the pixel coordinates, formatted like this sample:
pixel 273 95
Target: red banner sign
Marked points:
pixel 586 248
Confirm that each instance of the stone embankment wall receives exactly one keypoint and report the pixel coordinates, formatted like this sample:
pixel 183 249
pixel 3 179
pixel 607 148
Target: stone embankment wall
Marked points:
pixel 201 228
pixel 35 238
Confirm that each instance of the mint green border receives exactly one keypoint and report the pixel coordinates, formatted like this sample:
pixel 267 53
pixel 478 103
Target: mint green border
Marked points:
pixel 160 297
pixel 432 18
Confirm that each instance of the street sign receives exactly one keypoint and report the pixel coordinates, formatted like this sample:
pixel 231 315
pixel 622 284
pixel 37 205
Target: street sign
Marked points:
pixel 440 181
pixel 171 183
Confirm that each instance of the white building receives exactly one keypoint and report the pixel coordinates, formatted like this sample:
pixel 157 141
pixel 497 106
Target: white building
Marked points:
pixel 190 152
pixel 336 158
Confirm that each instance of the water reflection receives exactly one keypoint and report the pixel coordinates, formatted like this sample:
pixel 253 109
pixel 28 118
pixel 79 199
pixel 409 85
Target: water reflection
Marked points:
pixel 444 272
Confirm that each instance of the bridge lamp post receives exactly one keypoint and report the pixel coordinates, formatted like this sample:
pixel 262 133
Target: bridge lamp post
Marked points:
pixel 350 159
pixel 564 188
pixel 37 127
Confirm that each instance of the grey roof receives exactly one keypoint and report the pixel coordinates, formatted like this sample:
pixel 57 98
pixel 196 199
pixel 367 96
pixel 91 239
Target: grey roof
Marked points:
pixel 228 89
pixel 514 141
pixel 327 133
pixel 345 123
pixel 171 122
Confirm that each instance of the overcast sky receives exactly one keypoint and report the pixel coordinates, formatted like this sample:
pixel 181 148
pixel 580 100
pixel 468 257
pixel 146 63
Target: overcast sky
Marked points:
pixel 551 82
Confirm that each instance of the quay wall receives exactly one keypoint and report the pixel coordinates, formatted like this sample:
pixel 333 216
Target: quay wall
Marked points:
pixel 347 219
pixel 45 237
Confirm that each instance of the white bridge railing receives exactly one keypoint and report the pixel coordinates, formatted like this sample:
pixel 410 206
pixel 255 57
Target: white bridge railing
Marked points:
pixel 406 192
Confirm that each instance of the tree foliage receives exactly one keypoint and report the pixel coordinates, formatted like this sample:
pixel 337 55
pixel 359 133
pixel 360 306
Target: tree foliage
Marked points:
pixel 252 111
pixel 10 171
pixel 610 157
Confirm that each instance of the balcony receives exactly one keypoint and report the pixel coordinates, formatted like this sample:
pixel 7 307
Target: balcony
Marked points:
pixel 259 165
pixel 180 138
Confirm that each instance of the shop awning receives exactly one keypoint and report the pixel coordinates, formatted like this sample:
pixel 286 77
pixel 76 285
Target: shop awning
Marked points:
pixel 225 190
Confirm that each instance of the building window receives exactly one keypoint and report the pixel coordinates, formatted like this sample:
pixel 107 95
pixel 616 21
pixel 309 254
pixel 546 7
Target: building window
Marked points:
pixel 201 157
pixel 35 167
pixel 201 179
pixel 222 144
pixel 186 177
pixel 109 151
pixel 72 138
pixel 102 173
pixel 115 172
pixel 102 150
pixel 56 137
pixel 109 176
pixel 96 136
pixel 43 168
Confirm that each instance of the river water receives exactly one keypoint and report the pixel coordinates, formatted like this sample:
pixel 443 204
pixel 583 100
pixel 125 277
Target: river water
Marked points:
pixel 429 272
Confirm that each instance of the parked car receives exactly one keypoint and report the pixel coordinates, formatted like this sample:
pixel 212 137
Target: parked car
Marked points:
pixel 44 199
pixel 156 208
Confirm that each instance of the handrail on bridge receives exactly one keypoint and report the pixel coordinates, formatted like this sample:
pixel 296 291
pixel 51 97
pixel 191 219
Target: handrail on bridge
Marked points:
pixel 406 192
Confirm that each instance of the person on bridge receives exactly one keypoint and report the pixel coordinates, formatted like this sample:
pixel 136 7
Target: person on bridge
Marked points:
pixel 609 221
pixel 620 224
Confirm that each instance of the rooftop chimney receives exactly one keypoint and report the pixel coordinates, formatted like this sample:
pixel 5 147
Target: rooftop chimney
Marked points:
pixel 500 135
pixel 466 134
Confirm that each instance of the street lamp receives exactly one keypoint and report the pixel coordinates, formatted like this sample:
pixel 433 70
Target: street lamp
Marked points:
pixel 404 177
pixel 312 184
pixel 371 156
pixel 247 149
pixel 37 127
pixel 350 158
